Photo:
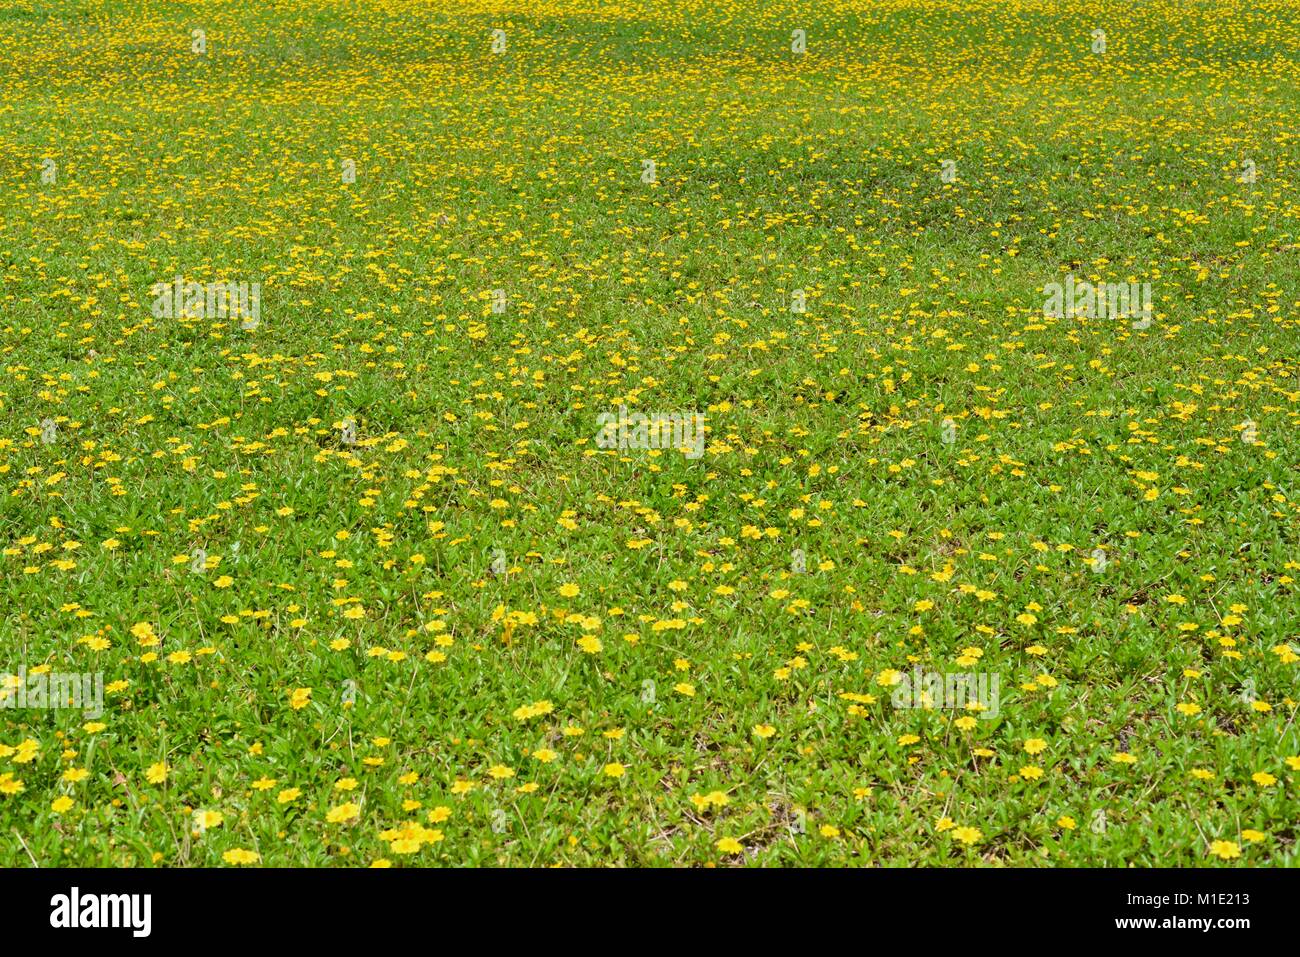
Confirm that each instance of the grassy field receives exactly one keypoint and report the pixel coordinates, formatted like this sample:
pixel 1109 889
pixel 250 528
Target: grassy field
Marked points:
pixel 361 584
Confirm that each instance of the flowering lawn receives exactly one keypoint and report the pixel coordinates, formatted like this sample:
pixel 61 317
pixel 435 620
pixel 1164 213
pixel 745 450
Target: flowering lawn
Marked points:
pixel 632 432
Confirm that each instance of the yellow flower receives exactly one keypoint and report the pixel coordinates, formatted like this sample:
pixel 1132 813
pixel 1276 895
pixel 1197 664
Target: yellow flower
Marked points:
pixel 343 813
pixel 62 804
pixel 240 856
pixel 764 731
pixel 534 710
pixel 1225 849
pixel 144 634
pixel 729 845
pixel 704 802
pixel 156 773
pixel 967 835
pixel 207 820
pixel 613 770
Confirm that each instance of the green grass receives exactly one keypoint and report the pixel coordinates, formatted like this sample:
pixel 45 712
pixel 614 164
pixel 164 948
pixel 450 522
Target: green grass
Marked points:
pixel 776 172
